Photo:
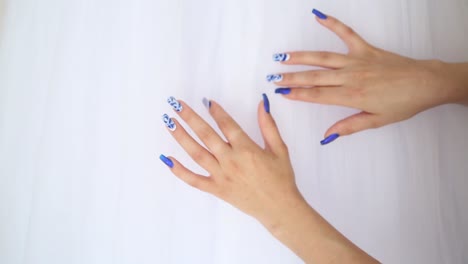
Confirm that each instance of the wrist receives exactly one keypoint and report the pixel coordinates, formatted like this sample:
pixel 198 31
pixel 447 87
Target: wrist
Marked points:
pixel 454 78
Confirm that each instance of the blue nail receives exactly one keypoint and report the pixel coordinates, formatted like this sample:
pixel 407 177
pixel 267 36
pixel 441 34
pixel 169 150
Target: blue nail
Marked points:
pixel 274 78
pixel 283 90
pixel 207 103
pixel 319 14
pixel 281 57
pixel 169 122
pixel 166 161
pixel 330 139
pixel 266 103
pixel 175 104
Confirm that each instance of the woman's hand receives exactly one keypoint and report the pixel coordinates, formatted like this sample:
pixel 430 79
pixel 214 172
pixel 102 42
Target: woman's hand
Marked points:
pixel 258 181
pixel 387 87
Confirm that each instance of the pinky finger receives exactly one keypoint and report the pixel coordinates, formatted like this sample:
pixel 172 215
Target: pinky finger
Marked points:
pixel 203 183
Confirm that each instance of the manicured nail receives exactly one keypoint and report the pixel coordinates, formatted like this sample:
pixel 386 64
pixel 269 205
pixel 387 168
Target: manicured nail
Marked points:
pixel 175 104
pixel 274 78
pixel 266 103
pixel 319 14
pixel 169 122
pixel 281 57
pixel 283 90
pixel 166 161
pixel 207 103
pixel 330 139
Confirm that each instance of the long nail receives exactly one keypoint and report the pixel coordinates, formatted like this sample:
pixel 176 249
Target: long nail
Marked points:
pixel 175 104
pixel 207 103
pixel 319 14
pixel 281 57
pixel 166 161
pixel 266 103
pixel 283 90
pixel 329 139
pixel 169 122
pixel 274 78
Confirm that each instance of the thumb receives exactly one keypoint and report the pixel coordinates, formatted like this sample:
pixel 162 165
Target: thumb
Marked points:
pixel 270 132
pixel 351 125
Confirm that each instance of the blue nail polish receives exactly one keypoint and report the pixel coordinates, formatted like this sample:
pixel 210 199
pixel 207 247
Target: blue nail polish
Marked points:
pixel 266 103
pixel 169 122
pixel 319 14
pixel 330 139
pixel 283 90
pixel 175 104
pixel 166 161
pixel 274 78
pixel 281 57
pixel 207 103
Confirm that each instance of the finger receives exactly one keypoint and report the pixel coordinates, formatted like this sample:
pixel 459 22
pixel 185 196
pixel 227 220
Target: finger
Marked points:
pixel 355 123
pixel 308 78
pixel 270 132
pixel 337 95
pixel 198 153
pixel 231 130
pixel 205 132
pixel 198 181
pixel 318 58
pixel 344 32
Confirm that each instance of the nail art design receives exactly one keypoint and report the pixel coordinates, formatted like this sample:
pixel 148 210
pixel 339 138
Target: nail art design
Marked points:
pixel 266 103
pixel 169 122
pixel 281 57
pixel 283 90
pixel 319 14
pixel 175 104
pixel 207 103
pixel 330 139
pixel 166 161
pixel 274 78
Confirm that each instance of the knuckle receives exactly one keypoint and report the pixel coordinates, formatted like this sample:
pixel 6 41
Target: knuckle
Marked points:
pixel 323 56
pixel 357 93
pixel 348 31
pixel 375 123
pixel 199 156
pixel 313 93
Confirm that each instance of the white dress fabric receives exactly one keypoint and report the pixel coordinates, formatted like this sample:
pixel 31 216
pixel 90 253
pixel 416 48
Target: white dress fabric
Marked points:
pixel 83 85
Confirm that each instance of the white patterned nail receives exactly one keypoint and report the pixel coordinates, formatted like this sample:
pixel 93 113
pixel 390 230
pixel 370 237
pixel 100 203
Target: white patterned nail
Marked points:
pixel 281 57
pixel 274 78
pixel 169 122
pixel 175 104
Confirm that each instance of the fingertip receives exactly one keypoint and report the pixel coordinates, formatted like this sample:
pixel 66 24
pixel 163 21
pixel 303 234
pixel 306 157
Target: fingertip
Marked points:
pixel 167 161
pixel 329 139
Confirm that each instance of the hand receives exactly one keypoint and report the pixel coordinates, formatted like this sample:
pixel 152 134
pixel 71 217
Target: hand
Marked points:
pixel 387 87
pixel 258 181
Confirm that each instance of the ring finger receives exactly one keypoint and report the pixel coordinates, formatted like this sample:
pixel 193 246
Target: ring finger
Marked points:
pixel 198 153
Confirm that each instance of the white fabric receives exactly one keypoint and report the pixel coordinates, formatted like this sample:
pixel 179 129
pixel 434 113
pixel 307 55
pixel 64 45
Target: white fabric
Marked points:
pixel 83 84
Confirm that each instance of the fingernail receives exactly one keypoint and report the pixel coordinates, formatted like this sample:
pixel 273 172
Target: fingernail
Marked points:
pixel 283 90
pixel 166 161
pixel 330 139
pixel 169 122
pixel 274 78
pixel 319 14
pixel 175 104
pixel 281 57
pixel 207 103
pixel 266 103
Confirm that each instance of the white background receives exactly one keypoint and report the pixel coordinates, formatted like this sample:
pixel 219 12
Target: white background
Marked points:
pixel 83 84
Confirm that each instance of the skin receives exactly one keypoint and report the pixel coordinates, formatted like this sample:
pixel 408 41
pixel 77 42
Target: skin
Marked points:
pixel 260 181
pixel 387 87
